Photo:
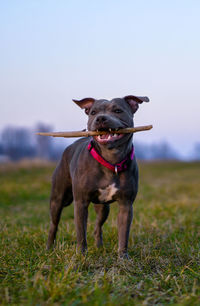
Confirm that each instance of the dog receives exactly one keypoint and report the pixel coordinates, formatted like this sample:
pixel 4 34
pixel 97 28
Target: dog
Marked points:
pixel 100 169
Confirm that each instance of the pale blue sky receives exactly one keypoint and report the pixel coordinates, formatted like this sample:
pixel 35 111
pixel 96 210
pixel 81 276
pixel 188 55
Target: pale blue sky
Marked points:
pixel 53 51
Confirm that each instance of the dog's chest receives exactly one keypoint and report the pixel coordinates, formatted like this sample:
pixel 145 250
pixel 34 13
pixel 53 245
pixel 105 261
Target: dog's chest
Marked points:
pixel 107 194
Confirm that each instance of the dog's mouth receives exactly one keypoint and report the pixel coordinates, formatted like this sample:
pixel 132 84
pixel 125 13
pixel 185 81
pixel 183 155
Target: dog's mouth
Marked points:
pixel 111 136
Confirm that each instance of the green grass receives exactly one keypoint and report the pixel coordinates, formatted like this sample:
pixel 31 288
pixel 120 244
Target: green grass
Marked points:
pixel 164 265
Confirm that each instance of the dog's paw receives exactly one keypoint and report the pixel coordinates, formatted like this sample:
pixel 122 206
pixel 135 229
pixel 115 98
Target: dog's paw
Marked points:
pixel 80 250
pixel 123 255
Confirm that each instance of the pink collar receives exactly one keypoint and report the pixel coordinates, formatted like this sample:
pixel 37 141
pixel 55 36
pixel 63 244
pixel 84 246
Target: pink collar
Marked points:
pixel 116 167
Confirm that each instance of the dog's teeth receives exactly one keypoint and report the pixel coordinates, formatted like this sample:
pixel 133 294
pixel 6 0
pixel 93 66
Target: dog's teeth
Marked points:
pixel 115 135
pixel 110 130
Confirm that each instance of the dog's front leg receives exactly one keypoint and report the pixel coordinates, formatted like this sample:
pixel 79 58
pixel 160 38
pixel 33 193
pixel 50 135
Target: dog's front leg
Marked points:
pixel 102 211
pixel 81 214
pixel 125 217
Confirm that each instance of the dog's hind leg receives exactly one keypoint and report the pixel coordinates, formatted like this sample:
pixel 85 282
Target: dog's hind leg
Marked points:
pixel 55 213
pixel 57 203
pixel 102 211
pixel 61 196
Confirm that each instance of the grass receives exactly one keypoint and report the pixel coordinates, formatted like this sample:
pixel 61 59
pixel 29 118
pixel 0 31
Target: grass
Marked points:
pixel 164 243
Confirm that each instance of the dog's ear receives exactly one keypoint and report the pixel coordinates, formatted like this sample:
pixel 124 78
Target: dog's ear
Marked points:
pixel 134 101
pixel 85 103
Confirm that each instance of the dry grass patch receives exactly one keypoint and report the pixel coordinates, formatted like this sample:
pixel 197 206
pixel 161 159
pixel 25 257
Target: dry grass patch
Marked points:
pixel 164 243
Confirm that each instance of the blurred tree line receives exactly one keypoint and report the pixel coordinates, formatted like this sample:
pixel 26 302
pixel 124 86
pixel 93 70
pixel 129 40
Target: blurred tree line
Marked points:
pixel 19 142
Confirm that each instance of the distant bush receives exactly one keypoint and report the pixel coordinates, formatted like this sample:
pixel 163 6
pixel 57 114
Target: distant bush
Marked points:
pixel 16 143
pixel 196 151
pixel 161 151
pixel 19 142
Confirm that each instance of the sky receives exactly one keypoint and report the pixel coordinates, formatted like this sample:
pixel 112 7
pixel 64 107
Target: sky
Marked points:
pixel 54 51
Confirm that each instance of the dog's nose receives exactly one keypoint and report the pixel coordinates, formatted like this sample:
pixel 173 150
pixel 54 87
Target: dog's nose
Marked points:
pixel 101 119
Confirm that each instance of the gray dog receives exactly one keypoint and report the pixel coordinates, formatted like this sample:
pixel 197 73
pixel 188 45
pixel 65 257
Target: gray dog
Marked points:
pixel 100 169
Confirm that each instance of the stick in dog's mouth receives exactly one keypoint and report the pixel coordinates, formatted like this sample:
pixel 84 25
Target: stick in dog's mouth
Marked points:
pixel 96 133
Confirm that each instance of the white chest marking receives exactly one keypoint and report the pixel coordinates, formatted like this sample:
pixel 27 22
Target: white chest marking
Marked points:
pixel 107 193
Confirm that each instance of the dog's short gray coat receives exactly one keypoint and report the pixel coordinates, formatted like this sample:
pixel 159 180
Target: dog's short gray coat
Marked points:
pixel 81 179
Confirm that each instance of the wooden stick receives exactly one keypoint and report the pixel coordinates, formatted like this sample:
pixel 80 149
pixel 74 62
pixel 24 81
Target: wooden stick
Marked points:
pixel 95 133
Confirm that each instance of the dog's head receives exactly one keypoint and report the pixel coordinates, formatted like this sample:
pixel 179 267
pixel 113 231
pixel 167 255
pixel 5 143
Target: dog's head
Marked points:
pixel 105 115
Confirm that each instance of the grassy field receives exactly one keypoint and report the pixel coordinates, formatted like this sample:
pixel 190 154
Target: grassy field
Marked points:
pixel 164 243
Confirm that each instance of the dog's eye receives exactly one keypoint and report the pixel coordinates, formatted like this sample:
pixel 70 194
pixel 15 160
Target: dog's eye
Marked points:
pixel 117 110
pixel 93 112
